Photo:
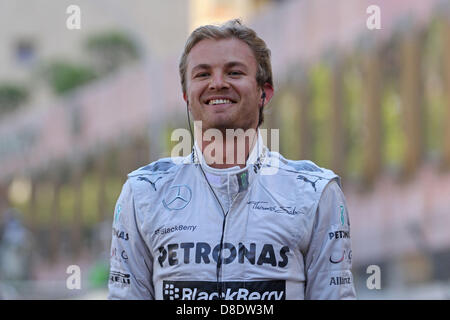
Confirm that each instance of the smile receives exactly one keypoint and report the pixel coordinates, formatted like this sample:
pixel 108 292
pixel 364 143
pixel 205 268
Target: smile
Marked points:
pixel 219 101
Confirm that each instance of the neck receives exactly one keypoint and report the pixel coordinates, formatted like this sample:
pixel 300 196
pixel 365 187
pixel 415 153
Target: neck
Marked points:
pixel 221 150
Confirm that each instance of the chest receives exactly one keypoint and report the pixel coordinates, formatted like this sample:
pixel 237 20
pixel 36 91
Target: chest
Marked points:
pixel 258 228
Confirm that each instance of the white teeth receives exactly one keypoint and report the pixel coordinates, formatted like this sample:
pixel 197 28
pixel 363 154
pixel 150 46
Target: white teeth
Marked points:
pixel 219 101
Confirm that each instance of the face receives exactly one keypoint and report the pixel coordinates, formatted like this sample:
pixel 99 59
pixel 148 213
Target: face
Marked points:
pixel 221 84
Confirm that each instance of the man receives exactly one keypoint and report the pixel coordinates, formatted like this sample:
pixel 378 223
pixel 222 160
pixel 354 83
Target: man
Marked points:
pixel 212 226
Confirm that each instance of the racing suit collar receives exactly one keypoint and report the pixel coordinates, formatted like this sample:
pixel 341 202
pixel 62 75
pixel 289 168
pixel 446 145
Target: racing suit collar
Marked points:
pixel 235 179
pixel 255 155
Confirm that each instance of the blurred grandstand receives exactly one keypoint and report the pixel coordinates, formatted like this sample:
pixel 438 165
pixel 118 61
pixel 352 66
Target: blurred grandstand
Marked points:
pixel 79 109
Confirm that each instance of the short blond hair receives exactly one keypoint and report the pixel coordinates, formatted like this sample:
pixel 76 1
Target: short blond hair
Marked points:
pixel 231 29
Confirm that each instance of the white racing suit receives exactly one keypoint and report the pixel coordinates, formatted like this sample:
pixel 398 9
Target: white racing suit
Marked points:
pixel 286 233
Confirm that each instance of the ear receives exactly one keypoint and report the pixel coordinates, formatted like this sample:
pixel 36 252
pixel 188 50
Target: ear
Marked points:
pixel 268 89
pixel 185 98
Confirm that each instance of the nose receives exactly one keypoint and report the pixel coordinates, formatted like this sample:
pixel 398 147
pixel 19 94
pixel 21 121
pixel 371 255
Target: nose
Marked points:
pixel 218 82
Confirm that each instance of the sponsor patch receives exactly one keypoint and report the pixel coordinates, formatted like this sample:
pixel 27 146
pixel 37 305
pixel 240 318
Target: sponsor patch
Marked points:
pixel 232 290
pixel 339 234
pixel 338 281
pixel 120 234
pixel 181 227
pixel 120 278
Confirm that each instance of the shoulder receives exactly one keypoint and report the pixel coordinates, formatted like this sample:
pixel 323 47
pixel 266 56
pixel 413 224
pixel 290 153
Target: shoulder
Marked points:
pixel 309 179
pixel 303 170
pixel 144 185
pixel 155 174
pixel 161 166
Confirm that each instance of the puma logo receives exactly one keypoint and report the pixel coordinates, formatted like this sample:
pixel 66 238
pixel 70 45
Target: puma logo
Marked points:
pixel 153 184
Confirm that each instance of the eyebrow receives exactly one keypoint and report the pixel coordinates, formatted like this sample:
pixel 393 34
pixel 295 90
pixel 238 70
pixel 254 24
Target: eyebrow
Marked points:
pixel 201 66
pixel 235 64
pixel 227 65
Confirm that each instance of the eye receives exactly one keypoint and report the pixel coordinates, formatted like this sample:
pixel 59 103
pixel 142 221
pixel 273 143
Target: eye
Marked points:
pixel 235 73
pixel 201 75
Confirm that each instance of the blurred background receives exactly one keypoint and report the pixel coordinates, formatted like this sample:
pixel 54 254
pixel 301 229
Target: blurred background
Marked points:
pixel 80 108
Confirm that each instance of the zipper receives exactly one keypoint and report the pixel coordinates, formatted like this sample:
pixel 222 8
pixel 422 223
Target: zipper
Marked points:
pixel 219 274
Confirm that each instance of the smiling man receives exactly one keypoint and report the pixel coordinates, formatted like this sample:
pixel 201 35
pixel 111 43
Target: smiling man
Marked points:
pixel 207 227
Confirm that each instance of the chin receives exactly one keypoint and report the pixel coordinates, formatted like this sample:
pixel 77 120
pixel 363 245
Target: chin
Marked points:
pixel 220 123
pixel 223 123
pixel 221 126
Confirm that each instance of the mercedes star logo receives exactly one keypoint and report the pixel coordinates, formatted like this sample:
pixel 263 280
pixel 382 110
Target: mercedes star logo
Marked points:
pixel 178 197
